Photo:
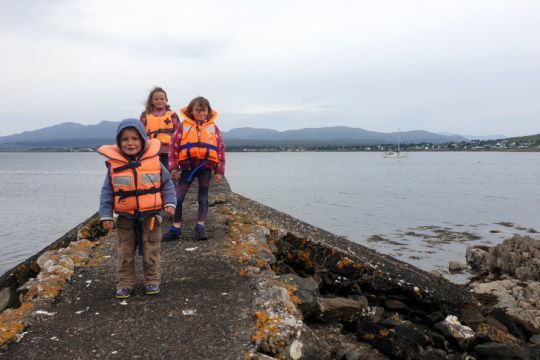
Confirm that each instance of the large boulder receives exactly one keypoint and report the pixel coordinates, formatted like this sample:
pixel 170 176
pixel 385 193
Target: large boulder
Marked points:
pixel 518 257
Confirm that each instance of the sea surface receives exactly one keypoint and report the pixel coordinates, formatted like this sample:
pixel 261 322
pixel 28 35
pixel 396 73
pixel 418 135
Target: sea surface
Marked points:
pixel 424 209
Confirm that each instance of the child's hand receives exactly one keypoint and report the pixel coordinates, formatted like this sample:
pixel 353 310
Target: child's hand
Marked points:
pixel 170 211
pixel 218 177
pixel 175 175
pixel 108 224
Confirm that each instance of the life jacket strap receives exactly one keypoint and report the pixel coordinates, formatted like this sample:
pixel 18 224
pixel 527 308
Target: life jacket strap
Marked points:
pixel 130 165
pixel 124 194
pixel 203 145
pixel 196 170
pixel 138 227
pixel 154 134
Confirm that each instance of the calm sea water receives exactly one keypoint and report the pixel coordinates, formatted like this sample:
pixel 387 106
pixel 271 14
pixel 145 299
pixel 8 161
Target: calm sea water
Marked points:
pixel 424 209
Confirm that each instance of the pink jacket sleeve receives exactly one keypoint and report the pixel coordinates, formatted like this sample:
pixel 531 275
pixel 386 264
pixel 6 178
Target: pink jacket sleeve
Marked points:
pixel 221 153
pixel 176 121
pixel 174 148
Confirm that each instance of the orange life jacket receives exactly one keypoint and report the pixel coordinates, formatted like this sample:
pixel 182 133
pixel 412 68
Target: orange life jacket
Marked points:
pixel 136 184
pixel 198 141
pixel 160 127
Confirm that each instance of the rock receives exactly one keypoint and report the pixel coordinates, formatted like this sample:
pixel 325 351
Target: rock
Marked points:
pixel 535 352
pixel 387 341
pixel 437 273
pixel 452 328
pixel 496 351
pixel 341 309
pixel 477 258
pixel 529 319
pixel 502 317
pixel 8 297
pixel 216 200
pixel 46 256
pixel 414 335
pixel 440 342
pixel 375 313
pixel 306 290
pixel 352 355
pixel 456 267
pixel 434 317
pixel 471 317
pixel 307 346
pixel 91 230
pixel 535 339
pixel 295 350
pixel 500 289
pixel 487 332
pixel 518 256
pixel 519 299
pixel 394 304
pixel 434 354
pixel 258 356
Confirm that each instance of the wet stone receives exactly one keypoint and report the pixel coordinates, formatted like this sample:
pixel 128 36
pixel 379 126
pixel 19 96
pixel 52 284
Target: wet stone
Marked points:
pixel 501 316
pixel 352 355
pixel 535 339
pixel 435 354
pixel 434 317
pixel 496 351
pixel 341 309
pixel 412 334
pixel 8 297
pixel 394 304
pixel 387 341
pixel 456 267
pixel 471 317
pixel 375 313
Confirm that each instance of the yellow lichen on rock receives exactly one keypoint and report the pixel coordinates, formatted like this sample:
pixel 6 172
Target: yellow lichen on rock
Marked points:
pixel 343 263
pixel 266 326
pixel 305 257
pixel 56 267
pixel 291 290
pixel 261 264
pixel 246 244
pixel 96 259
pixel 11 323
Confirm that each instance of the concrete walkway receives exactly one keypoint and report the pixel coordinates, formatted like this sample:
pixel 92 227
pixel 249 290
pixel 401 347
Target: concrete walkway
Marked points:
pixel 203 312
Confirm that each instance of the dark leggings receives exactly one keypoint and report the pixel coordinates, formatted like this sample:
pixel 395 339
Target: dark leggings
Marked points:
pixel 203 177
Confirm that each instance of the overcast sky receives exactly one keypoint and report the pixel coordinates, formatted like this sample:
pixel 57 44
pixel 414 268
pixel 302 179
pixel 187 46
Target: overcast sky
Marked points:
pixel 463 66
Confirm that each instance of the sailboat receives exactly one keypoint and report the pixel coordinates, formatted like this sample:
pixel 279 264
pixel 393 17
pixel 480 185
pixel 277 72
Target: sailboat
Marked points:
pixel 395 154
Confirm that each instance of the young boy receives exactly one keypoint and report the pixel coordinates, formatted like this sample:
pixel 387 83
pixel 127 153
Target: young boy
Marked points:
pixel 136 187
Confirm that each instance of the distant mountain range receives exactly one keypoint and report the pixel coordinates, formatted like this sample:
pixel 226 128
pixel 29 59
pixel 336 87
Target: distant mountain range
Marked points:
pixel 77 135
pixel 337 135
pixel 478 137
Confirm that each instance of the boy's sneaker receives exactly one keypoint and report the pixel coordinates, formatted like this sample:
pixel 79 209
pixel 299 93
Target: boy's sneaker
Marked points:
pixel 122 293
pixel 172 234
pixel 200 233
pixel 151 289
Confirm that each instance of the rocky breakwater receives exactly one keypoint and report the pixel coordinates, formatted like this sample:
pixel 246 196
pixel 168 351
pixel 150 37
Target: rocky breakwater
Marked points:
pixel 265 285
pixel 319 296
pixel 41 277
pixel 508 280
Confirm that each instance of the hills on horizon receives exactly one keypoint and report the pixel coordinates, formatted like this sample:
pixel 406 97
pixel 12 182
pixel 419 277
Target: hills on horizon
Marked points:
pixel 71 134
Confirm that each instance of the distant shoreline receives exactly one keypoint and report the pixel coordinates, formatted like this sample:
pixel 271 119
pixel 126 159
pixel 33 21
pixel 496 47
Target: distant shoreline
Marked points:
pixel 292 149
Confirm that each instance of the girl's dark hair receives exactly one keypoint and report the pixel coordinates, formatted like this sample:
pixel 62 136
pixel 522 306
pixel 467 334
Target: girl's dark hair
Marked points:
pixel 149 106
pixel 202 102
